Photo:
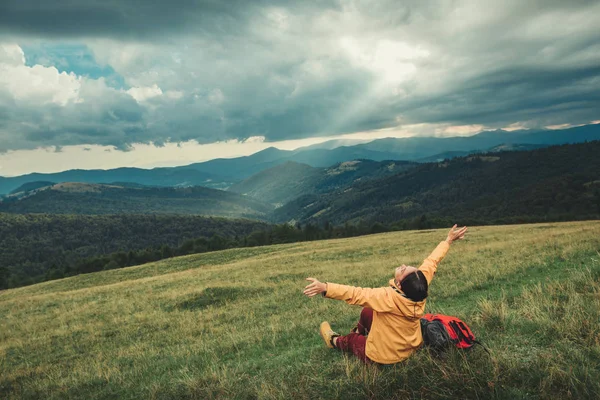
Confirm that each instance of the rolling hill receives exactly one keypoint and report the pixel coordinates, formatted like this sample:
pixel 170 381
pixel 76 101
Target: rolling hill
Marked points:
pixel 244 167
pixel 83 198
pixel 234 324
pixel 500 187
pixel 30 186
pixel 279 184
pixel 283 183
pixel 167 177
pixel 560 182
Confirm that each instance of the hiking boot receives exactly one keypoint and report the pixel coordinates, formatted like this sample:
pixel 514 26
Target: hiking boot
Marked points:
pixel 327 334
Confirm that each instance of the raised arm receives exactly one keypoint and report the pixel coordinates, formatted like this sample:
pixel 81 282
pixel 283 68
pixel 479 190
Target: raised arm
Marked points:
pixel 379 299
pixel 430 264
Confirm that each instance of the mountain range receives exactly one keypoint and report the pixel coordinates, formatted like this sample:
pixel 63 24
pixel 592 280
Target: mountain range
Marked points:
pixel 554 183
pixel 223 173
pixel 417 148
pixel 180 177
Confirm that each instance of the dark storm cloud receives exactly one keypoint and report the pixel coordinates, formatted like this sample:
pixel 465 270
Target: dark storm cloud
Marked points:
pixel 546 95
pixel 218 70
pixel 119 18
pixel 311 113
pixel 139 19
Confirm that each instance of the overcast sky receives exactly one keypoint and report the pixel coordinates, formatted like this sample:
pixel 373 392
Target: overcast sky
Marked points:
pixel 92 84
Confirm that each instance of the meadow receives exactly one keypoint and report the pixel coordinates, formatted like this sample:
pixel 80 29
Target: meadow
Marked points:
pixel 234 323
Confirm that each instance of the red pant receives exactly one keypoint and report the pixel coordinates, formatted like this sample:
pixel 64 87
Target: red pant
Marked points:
pixel 356 341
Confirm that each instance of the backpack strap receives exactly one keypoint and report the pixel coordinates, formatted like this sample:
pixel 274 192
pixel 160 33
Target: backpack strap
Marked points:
pixel 481 344
pixel 466 329
pixel 397 291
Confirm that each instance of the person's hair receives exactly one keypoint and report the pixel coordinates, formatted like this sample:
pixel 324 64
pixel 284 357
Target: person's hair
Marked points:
pixel 415 286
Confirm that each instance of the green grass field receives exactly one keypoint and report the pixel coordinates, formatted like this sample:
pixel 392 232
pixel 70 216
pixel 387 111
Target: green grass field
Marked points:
pixel 234 324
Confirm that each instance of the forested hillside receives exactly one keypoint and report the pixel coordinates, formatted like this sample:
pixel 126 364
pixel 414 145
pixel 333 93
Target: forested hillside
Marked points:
pixel 79 198
pixel 30 186
pixel 279 184
pixel 284 183
pixel 33 246
pixel 447 155
pixel 555 183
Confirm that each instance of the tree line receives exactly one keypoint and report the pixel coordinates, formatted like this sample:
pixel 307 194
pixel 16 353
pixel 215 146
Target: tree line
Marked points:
pixel 33 244
pixel 268 235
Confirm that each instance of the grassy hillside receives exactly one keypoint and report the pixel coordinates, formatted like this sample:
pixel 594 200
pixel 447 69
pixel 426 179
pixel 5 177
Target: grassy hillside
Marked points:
pixel 234 324
pixel 84 198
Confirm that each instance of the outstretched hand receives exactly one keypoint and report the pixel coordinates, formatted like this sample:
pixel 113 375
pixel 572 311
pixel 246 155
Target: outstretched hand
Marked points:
pixel 315 287
pixel 456 234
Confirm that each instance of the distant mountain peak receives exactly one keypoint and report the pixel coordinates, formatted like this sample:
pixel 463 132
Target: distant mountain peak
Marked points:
pixel 269 149
pixel 268 153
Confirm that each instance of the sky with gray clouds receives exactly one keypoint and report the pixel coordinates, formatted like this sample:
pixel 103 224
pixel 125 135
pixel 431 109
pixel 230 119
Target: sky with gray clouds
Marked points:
pixel 132 76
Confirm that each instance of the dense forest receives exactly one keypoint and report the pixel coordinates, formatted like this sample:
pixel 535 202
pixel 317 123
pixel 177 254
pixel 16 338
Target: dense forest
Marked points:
pixel 550 184
pixel 32 245
pixel 44 247
pixel 94 199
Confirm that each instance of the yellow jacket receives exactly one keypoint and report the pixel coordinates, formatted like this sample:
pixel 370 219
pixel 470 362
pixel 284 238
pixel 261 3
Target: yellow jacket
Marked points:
pixel 396 329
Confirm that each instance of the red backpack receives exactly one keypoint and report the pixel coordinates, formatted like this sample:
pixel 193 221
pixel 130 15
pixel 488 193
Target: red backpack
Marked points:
pixel 439 331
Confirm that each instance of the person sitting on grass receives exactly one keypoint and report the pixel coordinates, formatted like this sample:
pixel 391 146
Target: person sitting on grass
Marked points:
pixel 389 328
